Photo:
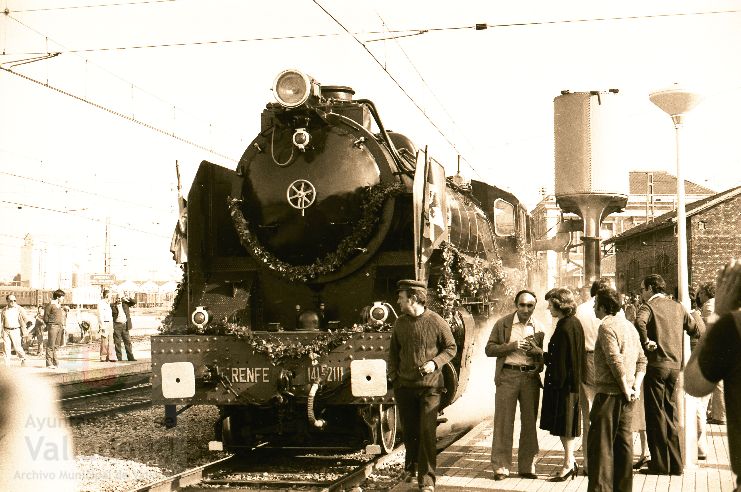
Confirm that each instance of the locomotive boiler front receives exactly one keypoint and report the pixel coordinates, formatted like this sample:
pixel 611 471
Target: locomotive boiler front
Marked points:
pixel 305 174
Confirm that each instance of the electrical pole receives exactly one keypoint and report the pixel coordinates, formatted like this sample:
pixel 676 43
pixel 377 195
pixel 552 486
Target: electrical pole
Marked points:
pixel 107 251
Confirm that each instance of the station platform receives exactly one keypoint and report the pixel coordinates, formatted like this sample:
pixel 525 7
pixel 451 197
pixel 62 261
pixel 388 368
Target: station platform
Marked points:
pixel 79 363
pixel 466 466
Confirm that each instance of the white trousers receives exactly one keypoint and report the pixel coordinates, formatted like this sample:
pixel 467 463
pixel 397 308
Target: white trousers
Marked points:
pixel 13 336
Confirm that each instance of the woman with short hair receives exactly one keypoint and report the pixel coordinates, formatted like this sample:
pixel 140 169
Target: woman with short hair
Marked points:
pixel 560 411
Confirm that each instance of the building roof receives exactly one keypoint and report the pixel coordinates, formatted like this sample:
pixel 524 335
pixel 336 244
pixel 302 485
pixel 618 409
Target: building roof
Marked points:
pixel 664 184
pixel 669 218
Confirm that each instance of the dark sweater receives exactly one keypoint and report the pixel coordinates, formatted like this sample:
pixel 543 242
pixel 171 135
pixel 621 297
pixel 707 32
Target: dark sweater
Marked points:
pixel 55 315
pixel 414 341
pixel 662 320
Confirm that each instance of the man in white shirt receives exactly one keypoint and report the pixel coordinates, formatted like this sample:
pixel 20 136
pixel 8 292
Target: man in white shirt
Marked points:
pixel 517 342
pixel 14 324
pixel 105 327
pixel 590 323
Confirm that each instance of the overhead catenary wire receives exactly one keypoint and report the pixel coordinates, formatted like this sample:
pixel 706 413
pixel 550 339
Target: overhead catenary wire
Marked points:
pixel 92 219
pixel 69 188
pixel 130 118
pixel 90 6
pixel 417 31
pixel 398 84
pixel 424 81
pixel 133 86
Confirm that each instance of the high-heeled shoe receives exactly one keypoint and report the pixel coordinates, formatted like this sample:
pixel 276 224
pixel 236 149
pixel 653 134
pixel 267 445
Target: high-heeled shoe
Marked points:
pixel 571 473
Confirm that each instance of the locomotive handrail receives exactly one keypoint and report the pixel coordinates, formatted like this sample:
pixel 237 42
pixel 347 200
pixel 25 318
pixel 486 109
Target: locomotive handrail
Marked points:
pixel 392 147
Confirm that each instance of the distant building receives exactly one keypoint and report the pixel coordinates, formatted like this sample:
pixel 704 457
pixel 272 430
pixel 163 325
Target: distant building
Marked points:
pixel 41 267
pixel 652 193
pixel 713 237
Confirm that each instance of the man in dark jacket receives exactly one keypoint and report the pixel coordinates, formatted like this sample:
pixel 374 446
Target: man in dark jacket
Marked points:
pixel 660 321
pixel 421 344
pixel 517 342
pixel 122 325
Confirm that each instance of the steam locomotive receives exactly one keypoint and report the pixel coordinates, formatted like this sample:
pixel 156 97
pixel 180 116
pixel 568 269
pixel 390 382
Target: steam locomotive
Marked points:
pixel 283 317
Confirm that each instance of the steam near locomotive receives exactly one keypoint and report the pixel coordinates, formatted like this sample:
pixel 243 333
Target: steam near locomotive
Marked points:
pixel 284 314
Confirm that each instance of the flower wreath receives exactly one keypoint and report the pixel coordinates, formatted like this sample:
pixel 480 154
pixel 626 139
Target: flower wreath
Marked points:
pixel 459 277
pixel 373 199
pixel 279 350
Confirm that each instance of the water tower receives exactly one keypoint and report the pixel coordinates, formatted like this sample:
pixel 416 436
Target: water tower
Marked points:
pixel 591 173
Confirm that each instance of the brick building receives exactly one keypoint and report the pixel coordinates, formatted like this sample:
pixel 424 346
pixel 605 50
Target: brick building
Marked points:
pixel 713 237
pixel 652 193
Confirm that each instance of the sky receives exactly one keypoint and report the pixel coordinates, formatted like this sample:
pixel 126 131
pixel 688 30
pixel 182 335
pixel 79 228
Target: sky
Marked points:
pixel 93 134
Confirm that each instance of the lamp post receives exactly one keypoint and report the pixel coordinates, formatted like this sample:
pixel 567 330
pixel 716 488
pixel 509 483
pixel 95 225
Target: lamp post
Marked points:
pixel 676 103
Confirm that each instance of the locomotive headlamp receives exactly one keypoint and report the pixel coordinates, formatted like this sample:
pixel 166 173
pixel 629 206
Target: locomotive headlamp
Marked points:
pixel 293 88
pixel 200 317
pixel 301 139
pixel 379 313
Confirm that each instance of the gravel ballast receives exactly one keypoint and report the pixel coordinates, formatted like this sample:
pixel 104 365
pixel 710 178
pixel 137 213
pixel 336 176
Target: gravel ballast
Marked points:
pixel 122 452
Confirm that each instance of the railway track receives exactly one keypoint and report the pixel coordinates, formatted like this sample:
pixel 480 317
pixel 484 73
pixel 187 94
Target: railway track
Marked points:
pixel 83 407
pixel 285 469
pixel 314 471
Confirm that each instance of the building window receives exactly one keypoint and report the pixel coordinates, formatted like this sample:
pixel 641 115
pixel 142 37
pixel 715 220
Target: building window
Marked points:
pixel 633 272
pixel 662 264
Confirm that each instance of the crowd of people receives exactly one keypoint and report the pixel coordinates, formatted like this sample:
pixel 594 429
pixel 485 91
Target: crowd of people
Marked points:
pixel 611 370
pixel 21 332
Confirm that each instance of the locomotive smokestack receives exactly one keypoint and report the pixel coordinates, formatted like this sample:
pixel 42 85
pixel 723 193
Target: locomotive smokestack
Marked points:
pixel 337 92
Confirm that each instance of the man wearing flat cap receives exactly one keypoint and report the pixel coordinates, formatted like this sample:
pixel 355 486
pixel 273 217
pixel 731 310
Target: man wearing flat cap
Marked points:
pixel 421 344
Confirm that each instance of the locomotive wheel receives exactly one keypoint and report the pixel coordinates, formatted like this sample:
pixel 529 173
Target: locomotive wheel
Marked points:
pixel 227 433
pixel 387 427
pixel 231 436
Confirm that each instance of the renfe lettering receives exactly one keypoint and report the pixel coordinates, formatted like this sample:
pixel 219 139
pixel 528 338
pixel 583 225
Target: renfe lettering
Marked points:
pixel 250 375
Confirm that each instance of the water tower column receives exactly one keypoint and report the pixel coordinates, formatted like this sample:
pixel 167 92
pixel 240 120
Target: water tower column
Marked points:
pixel 591 175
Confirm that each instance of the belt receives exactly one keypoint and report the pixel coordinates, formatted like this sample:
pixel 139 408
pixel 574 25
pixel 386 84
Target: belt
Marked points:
pixel 16 328
pixel 519 368
pixel 589 351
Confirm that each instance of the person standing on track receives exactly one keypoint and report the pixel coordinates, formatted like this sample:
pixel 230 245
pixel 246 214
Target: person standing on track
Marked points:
pixel 421 344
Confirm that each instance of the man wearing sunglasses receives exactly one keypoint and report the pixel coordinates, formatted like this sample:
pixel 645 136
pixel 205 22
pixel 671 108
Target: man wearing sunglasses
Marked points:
pixel 15 321
pixel 517 343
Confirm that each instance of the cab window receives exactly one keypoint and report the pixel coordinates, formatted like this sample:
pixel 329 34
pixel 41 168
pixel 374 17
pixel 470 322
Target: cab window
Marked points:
pixel 504 218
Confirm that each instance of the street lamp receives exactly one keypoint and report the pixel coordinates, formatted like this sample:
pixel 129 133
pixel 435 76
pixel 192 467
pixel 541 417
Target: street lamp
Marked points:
pixel 676 103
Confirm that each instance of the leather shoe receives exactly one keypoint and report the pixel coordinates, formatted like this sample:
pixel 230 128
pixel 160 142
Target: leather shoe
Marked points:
pixel 500 476
pixel 531 476
pixel 132 360
pixel 641 461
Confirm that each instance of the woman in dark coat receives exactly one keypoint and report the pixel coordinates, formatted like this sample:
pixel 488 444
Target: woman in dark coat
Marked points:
pixel 560 411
